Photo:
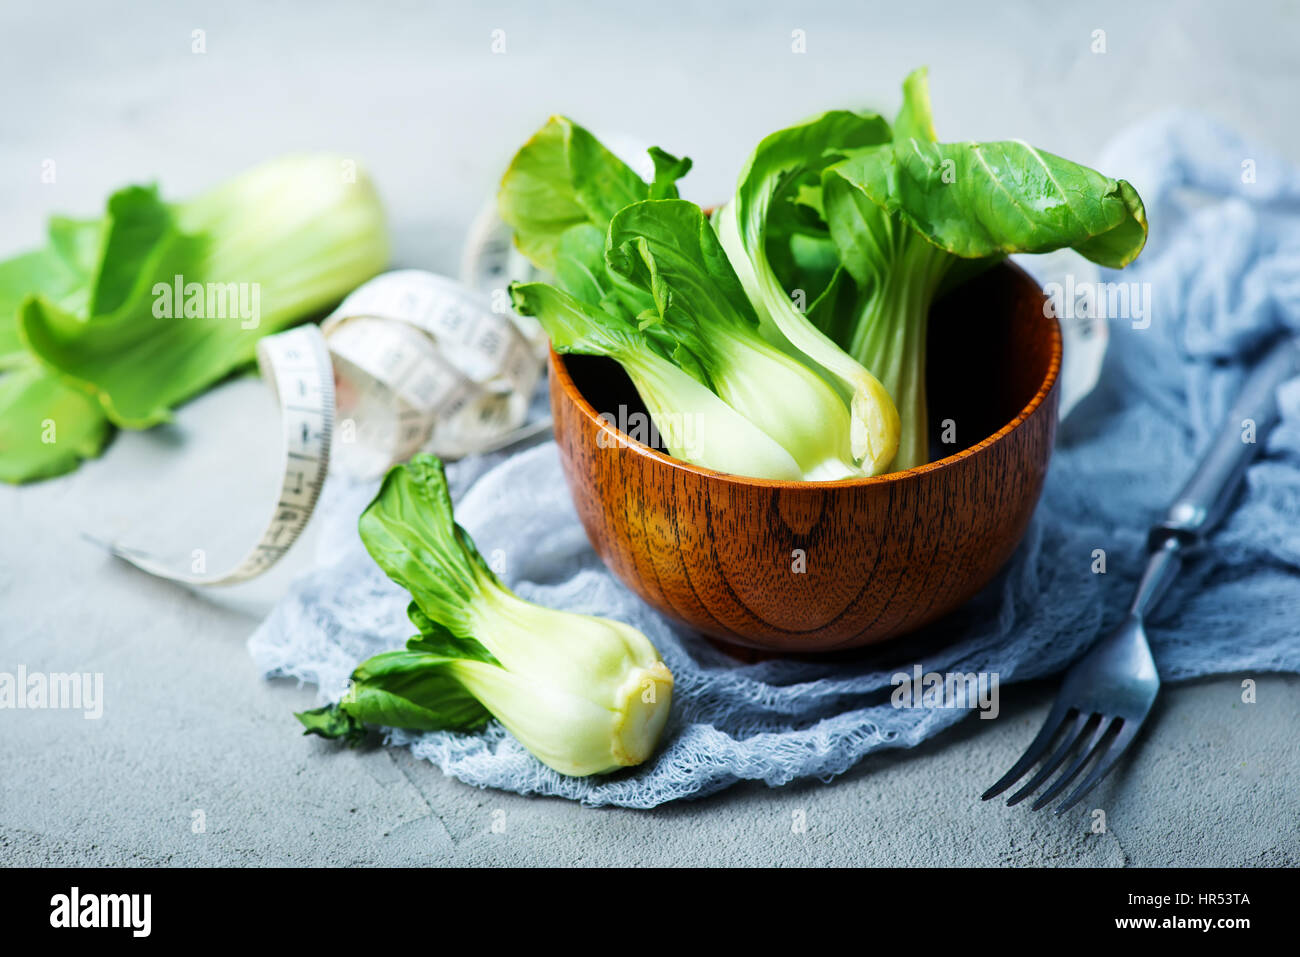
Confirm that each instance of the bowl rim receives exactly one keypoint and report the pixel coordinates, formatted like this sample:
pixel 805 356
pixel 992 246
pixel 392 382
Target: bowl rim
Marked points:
pixel 571 391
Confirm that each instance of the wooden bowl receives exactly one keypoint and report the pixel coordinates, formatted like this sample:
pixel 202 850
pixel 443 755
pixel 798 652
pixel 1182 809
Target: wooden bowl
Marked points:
pixel 879 556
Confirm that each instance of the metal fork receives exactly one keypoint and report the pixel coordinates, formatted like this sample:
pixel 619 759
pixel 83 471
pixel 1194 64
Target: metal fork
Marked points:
pixel 1107 694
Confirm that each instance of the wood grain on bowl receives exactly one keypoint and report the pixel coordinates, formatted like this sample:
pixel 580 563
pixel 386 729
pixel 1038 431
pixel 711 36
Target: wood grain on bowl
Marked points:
pixel 803 567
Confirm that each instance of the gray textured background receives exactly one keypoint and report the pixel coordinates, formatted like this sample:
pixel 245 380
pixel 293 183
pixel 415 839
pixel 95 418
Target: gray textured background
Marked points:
pixel 414 92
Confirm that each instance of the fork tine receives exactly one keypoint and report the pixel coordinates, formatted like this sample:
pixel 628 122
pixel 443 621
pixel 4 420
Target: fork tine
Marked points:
pixel 1072 738
pixel 1070 741
pixel 1091 749
pixel 1037 748
pixel 1128 731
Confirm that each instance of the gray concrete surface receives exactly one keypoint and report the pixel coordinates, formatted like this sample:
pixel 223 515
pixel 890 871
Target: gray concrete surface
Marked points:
pixel 189 733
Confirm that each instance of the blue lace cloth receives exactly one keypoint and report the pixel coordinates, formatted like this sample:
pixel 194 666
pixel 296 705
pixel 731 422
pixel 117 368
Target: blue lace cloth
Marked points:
pixel 1223 264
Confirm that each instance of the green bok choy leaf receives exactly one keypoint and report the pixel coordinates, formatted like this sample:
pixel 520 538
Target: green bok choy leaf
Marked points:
pixel 46 426
pixel 558 196
pixel 913 217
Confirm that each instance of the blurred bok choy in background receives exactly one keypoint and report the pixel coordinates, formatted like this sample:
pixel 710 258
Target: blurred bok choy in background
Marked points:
pixel 118 320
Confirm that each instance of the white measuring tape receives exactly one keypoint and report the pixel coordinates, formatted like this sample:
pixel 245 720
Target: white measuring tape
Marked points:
pixel 410 360
pixel 423 361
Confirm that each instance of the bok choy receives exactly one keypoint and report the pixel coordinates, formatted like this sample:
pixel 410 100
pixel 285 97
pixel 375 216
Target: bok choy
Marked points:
pixel 813 326
pixel 871 223
pixel 120 319
pixel 649 285
pixel 586 695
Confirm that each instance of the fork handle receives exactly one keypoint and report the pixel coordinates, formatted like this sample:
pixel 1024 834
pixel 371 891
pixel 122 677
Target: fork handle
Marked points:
pixel 1205 498
pixel 1163 565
